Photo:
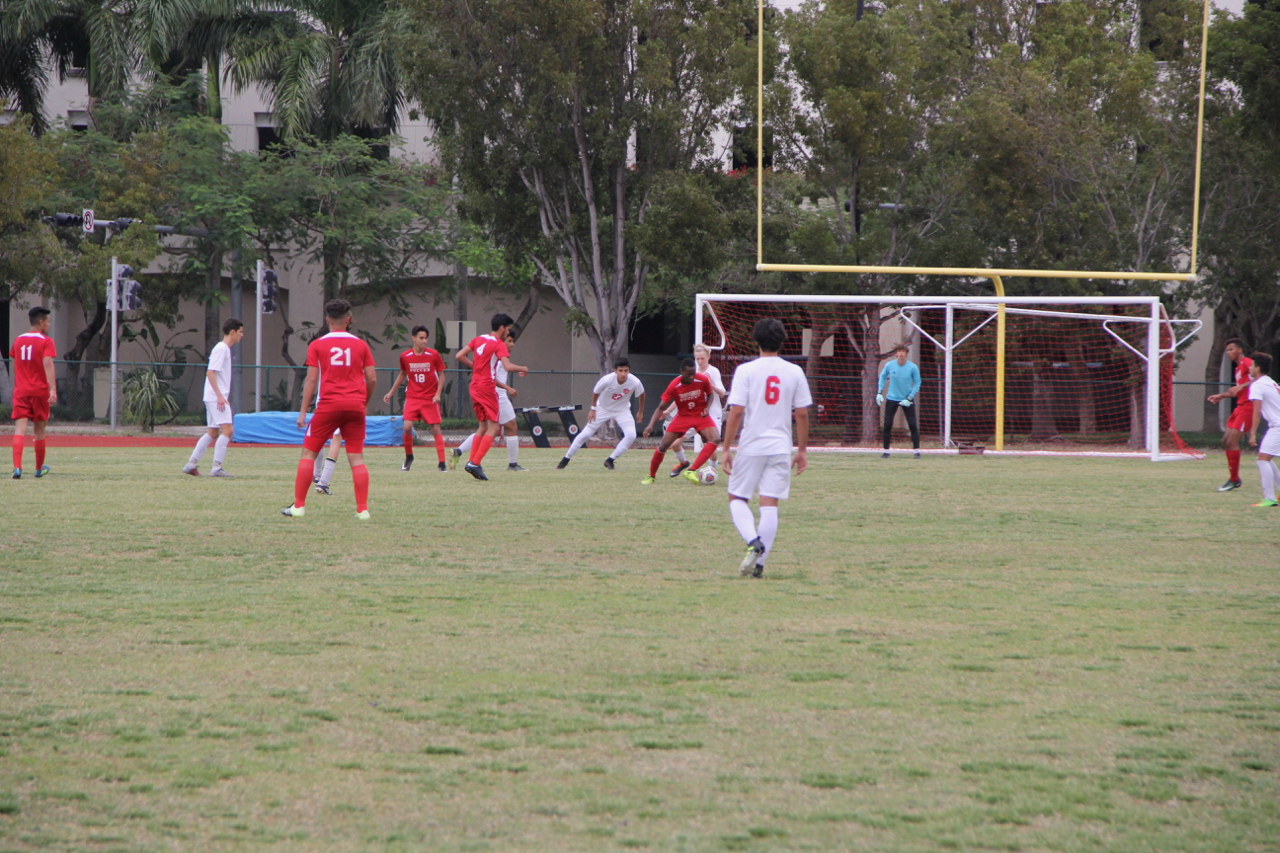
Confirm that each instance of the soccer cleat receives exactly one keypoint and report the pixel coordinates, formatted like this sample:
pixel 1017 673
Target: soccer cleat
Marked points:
pixel 692 477
pixel 758 572
pixel 516 466
pixel 444 467
pixel 44 469
pixel 218 472
pixel 408 462
pixel 679 469
pixel 608 462
pixel 190 468
pixel 917 454
pixel 323 489
pixel 17 473
pixel 363 515
pixel 294 511
pixel 315 479
pixel 453 459
pixel 755 550
pixel 562 464
pixel 475 471
pixel 1230 484
pixel 647 481
pixel 884 455
pixel 1260 503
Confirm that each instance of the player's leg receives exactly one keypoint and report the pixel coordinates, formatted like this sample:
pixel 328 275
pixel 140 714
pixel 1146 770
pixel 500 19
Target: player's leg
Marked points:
pixel 668 439
pixel 580 440
pixel 1267 473
pixel 319 430
pixel 512 431
pixel 353 432
pixel 626 423
pixel 914 425
pixel 408 440
pixel 710 443
pixel 324 467
pixel 1231 444
pixel 37 426
pixel 205 441
pixel 19 440
pixel 775 486
pixel 437 436
pixel 890 411
pixel 225 431
pixel 743 481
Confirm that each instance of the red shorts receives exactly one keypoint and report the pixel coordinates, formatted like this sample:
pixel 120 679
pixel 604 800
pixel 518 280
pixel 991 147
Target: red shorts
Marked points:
pixel 324 424
pixel 485 403
pixel 1241 419
pixel 421 410
pixel 684 423
pixel 34 408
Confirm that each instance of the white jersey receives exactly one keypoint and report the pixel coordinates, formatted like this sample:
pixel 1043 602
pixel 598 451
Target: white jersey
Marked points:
pixel 500 373
pixel 613 399
pixel 768 388
pixel 220 364
pixel 1266 394
pixel 715 409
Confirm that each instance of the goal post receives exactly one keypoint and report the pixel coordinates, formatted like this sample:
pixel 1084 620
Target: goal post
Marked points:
pixel 1037 375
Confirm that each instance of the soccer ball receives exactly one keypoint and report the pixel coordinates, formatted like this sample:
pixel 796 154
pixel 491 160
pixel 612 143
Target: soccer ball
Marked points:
pixel 707 476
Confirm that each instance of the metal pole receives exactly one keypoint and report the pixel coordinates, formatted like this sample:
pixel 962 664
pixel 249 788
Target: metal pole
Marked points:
pixel 1153 383
pixel 1000 331
pixel 113 299
pixel 950 339
pixel 237 351
pixel 257 344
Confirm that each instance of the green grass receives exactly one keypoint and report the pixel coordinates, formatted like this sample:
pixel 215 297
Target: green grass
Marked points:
pixel 959 653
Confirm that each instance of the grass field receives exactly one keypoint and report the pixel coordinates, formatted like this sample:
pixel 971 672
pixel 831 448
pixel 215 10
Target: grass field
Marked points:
pixel 960 653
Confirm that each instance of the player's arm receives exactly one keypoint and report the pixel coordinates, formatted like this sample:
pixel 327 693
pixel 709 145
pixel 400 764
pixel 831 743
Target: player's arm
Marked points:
pixel 639 406
pixel 400 375
pixel 51 377
pixel 464 357
pixel 212 375
pixel 505 387
pixel 657 414
pixel 439 362
pixel 591 415
pixel 512 367
pixel 801 460
pixel 731 426
pixel 884 385
pixel 308 391
pixel 1253 427
pixel 370 382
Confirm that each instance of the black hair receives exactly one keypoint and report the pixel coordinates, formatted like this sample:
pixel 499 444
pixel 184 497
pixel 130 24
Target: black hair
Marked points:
pixel 621 361
pixel 336 309
pixel 688 362
pixel 1229 341
pixel 36 313
pixel 500 320
pixel 419 328
pixel 769 334
pixel 230 324
pixel 1263 361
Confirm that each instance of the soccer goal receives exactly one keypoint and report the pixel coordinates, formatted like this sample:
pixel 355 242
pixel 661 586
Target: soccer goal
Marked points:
pixel 1016 375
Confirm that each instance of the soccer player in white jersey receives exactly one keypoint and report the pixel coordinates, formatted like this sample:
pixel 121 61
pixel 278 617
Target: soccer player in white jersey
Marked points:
pixel 715 411
pixel 506 414
pixel 765 392
pixel 611 401
pixel 1265 395
pixel 217 409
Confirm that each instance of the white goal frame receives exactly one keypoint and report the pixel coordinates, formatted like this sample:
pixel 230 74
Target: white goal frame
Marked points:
pixel 1154 317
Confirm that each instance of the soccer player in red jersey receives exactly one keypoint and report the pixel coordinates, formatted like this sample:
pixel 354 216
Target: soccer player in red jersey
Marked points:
pixel 423 367
pixel 342 367
pixel 1241 416
pixel 691 393
pixel 482 355
pixel 35 387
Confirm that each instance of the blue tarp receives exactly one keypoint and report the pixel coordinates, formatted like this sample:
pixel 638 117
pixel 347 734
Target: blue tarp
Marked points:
pixel 281 428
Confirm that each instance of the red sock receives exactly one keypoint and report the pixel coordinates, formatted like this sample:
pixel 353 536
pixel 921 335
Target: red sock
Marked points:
pixel 1233 463
pixel 302 481
pixel 39 453
pixel 17 449
pixel 480 448
pixel 360 478
pixel 707 450
pixel 408 443
pixel 440 447
pixel 656 462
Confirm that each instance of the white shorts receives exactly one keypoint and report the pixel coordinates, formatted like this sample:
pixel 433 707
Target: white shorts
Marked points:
pixel 769 475
pixel 506 411
pixel 1270 443
pixel 214 418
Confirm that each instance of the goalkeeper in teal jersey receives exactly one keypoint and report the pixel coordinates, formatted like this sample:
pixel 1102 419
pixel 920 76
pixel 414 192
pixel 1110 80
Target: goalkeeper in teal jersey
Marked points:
pixel 899 383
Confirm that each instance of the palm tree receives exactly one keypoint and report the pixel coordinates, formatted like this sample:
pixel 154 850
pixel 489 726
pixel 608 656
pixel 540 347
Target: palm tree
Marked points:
pixel 328 66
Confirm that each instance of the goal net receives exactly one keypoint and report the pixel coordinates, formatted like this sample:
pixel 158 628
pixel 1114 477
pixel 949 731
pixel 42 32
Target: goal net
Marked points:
pixel 1025 375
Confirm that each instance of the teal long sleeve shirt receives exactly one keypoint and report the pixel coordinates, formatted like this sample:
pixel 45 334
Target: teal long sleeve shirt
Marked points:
pixel 904 380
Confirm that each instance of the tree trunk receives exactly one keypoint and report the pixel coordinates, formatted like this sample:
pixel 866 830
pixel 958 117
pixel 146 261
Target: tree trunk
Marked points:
pixel 870 329
pixel 1082 390
pixel 1043 425
pixel 75 355
pixel 460 314
pixel 212 308
pixel 1137 405
pixel 1213 375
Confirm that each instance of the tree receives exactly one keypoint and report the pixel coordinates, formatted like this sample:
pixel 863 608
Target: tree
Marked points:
pixel 570 110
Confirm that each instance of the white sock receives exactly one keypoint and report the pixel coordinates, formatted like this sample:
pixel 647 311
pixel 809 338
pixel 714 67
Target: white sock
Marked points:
pixel 513 449
pixel 740 512
pixel 768 530
pixel 1268 472
pixel 319 468
pixel 220 451
pixel 680 454
pixel 466 444
pixel 327 474
pixel 201 446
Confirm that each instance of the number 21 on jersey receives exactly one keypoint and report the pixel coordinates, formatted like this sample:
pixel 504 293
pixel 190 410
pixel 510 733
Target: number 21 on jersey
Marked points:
pixel 340 356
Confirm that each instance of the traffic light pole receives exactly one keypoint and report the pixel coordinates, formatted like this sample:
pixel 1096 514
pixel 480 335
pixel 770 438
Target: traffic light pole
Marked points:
pixel 257 344
pixel 113 299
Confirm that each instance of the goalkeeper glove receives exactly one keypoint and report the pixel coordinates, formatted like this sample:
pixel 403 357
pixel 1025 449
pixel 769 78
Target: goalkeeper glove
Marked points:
pixel 879 399
pixel 906 404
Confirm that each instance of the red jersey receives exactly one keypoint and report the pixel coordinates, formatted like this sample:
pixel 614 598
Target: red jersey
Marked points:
pixel 341 358
pixel 486 352
pixel 1242 378
pixel 691 399
pixel 423 373
pixel 28 354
